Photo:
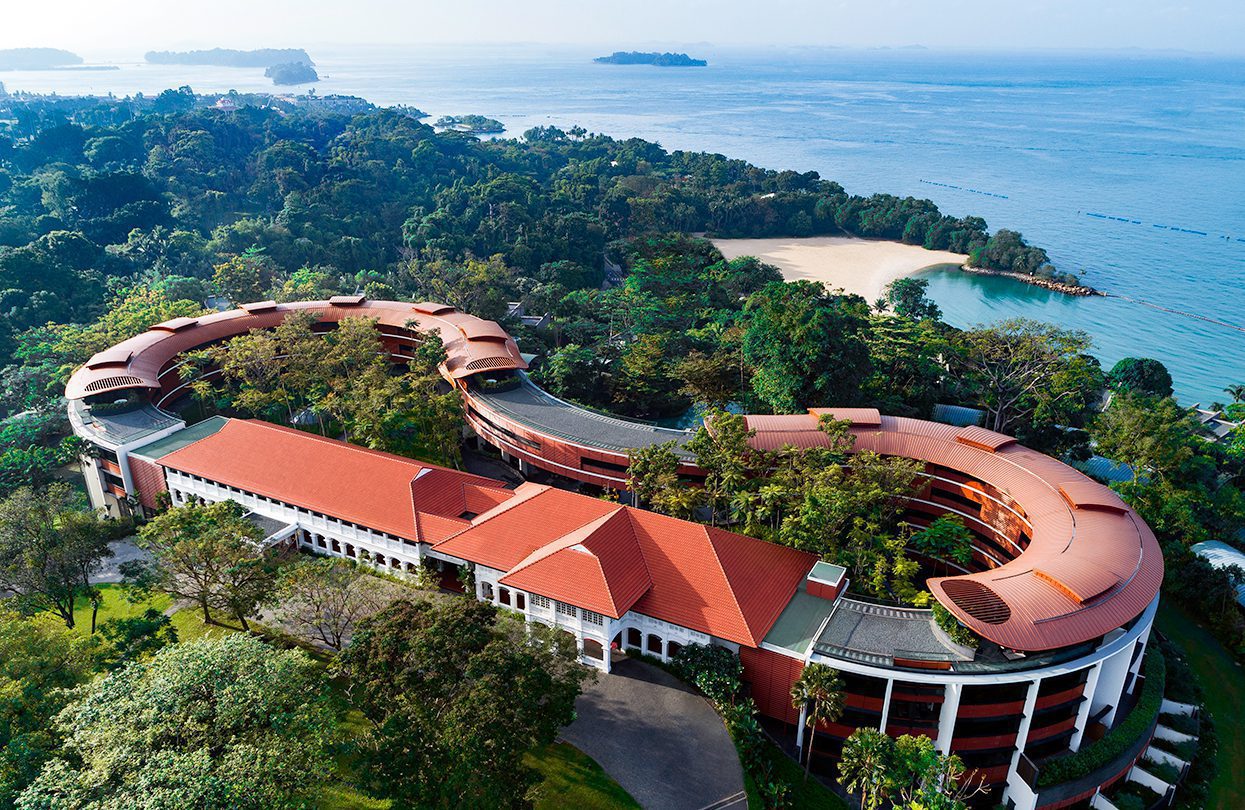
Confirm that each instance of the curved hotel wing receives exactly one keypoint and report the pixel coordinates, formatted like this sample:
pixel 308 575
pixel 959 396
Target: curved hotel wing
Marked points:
pixel 1062 589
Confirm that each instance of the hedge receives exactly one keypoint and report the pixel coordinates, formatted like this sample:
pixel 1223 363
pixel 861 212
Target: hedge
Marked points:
pixel 1119 739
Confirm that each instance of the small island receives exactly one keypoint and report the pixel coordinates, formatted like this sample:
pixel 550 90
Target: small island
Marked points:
pixel 226 57
pixel 292 73
pixel 472 124
pixel 642 58
pixel 37 58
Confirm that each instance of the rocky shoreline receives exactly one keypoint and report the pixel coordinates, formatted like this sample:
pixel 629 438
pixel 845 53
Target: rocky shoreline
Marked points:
pixel 1055 286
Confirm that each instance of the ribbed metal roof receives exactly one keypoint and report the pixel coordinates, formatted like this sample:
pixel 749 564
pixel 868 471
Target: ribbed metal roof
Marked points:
pixel 471 344
pixel 1092 565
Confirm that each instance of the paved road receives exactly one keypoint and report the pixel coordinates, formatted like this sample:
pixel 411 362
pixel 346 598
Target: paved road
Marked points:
pixel 662 742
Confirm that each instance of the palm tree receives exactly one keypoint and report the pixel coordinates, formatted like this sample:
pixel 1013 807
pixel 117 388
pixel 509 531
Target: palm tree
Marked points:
pixel 865 766
pixel 819 691
pixel 1237 392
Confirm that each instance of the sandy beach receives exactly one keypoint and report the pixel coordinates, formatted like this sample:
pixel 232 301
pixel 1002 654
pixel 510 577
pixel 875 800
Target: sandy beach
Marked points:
pixel 861 266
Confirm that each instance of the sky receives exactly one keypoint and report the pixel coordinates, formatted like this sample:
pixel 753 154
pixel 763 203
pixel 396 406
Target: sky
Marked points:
pixel 107 27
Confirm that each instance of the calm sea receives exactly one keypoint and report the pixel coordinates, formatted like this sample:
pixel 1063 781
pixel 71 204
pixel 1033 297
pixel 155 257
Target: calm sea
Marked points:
pixel 1126 167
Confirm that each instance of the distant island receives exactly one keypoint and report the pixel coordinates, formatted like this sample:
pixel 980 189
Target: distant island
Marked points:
pixel 225 57
pixel 37 58
pixel 658 59
pixel 292 73
pixel 474 124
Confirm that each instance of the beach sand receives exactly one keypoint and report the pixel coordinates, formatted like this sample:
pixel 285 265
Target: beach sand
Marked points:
pixel 861 266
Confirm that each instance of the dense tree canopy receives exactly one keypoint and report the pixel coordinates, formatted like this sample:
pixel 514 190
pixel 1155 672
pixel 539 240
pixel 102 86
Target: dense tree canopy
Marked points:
pixel 456 696
pixel 230 723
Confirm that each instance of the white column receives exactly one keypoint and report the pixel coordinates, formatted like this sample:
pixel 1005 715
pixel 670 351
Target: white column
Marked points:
pixel 946 718
pixel 1111 683
pixel 1026 720
pixel 799 733
pixel 1082 714
pixel 886 705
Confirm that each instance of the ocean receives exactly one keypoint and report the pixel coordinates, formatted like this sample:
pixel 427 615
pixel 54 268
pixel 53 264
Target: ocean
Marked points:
pixel 1126 167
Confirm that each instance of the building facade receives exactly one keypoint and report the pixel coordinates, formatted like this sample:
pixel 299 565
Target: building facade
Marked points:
pixel 1062 588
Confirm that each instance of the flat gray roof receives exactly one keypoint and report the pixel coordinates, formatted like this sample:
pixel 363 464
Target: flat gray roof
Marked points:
pixel 528 405
pixel 879 633
pixel 126 426
pixel 799 622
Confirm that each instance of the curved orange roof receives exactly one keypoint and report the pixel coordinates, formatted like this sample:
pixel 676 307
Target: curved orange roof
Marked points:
pixel 1092 565
pixel 472 344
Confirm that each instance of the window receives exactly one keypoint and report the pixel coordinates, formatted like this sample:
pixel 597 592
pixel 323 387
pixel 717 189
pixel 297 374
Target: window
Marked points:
pixel 542 601
pixel 565 609
pixel 593 618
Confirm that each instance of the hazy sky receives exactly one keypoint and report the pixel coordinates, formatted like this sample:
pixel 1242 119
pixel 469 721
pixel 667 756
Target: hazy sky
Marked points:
pixel 108 26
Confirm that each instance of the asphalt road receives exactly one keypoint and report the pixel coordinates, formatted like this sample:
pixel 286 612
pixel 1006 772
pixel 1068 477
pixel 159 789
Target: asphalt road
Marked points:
pixel 658 739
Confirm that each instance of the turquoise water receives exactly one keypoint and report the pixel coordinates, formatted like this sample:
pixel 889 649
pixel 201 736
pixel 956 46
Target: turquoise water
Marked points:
pixel 1050 145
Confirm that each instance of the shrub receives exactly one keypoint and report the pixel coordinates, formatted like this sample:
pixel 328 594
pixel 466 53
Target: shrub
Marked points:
pixel 716 671
pixel 1128 801
pixel 1180 722
pixel 1117 740
pixel 951 626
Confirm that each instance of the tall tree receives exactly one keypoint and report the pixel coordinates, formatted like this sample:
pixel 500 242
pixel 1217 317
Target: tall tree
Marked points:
pixel 39 663
pixel 1141 375
pixel 907 298
pixel 1018 366
pixel 456 698
pixel 211 555
pixel 210 723
pixel 805 345
pixel 652 472
pixel 818 692
pixel 866 766
pixel 49 549
pixel 323 599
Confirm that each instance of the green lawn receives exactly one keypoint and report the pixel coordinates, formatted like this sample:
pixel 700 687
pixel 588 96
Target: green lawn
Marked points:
pixel 574 779
pixel 114 606
pixel 1224 686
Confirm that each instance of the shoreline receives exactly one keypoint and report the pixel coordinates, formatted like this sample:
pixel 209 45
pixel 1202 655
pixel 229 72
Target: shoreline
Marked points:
pixel 857 266
pixel 865 266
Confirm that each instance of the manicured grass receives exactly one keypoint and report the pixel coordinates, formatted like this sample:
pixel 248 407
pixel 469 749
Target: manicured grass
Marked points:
pixel 573 779
pixel 1224 687
pixel 114 606
pixel 191 627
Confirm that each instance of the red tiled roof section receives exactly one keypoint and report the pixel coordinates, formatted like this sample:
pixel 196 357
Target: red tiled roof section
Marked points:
pixel 609 558
pixel 537 515
pixel 368 487
pixel 723 584
pixel 598 566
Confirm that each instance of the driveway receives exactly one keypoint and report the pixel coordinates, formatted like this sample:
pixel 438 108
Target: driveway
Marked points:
pixel 658 739
pixel 123 550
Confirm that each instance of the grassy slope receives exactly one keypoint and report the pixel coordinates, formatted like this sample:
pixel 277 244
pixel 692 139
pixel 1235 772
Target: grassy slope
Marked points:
pixel 1224 685
pixel 573 779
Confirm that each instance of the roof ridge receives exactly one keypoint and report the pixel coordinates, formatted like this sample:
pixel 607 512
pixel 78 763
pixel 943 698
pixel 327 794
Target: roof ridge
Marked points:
pixel 555 545
pixel 516 499
pixel 730 587
pixel 635 528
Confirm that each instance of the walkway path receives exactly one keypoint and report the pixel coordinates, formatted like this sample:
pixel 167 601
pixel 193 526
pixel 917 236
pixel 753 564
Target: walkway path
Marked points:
pixel 658 739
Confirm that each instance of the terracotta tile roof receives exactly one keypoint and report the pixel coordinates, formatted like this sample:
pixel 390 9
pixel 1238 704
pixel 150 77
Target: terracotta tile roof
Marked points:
pixel 379 490
pixel 610 558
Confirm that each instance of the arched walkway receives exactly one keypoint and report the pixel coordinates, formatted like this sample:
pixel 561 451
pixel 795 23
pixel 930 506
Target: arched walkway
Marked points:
pixel 658 739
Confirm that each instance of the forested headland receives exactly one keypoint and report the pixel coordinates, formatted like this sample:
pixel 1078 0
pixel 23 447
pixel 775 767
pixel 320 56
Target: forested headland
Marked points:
pixel 37 58
pixel 650 58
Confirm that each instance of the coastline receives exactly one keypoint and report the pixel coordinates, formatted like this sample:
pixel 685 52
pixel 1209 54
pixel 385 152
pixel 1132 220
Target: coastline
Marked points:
pixel 1080 290
pixel 860 266
pixel 865 266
